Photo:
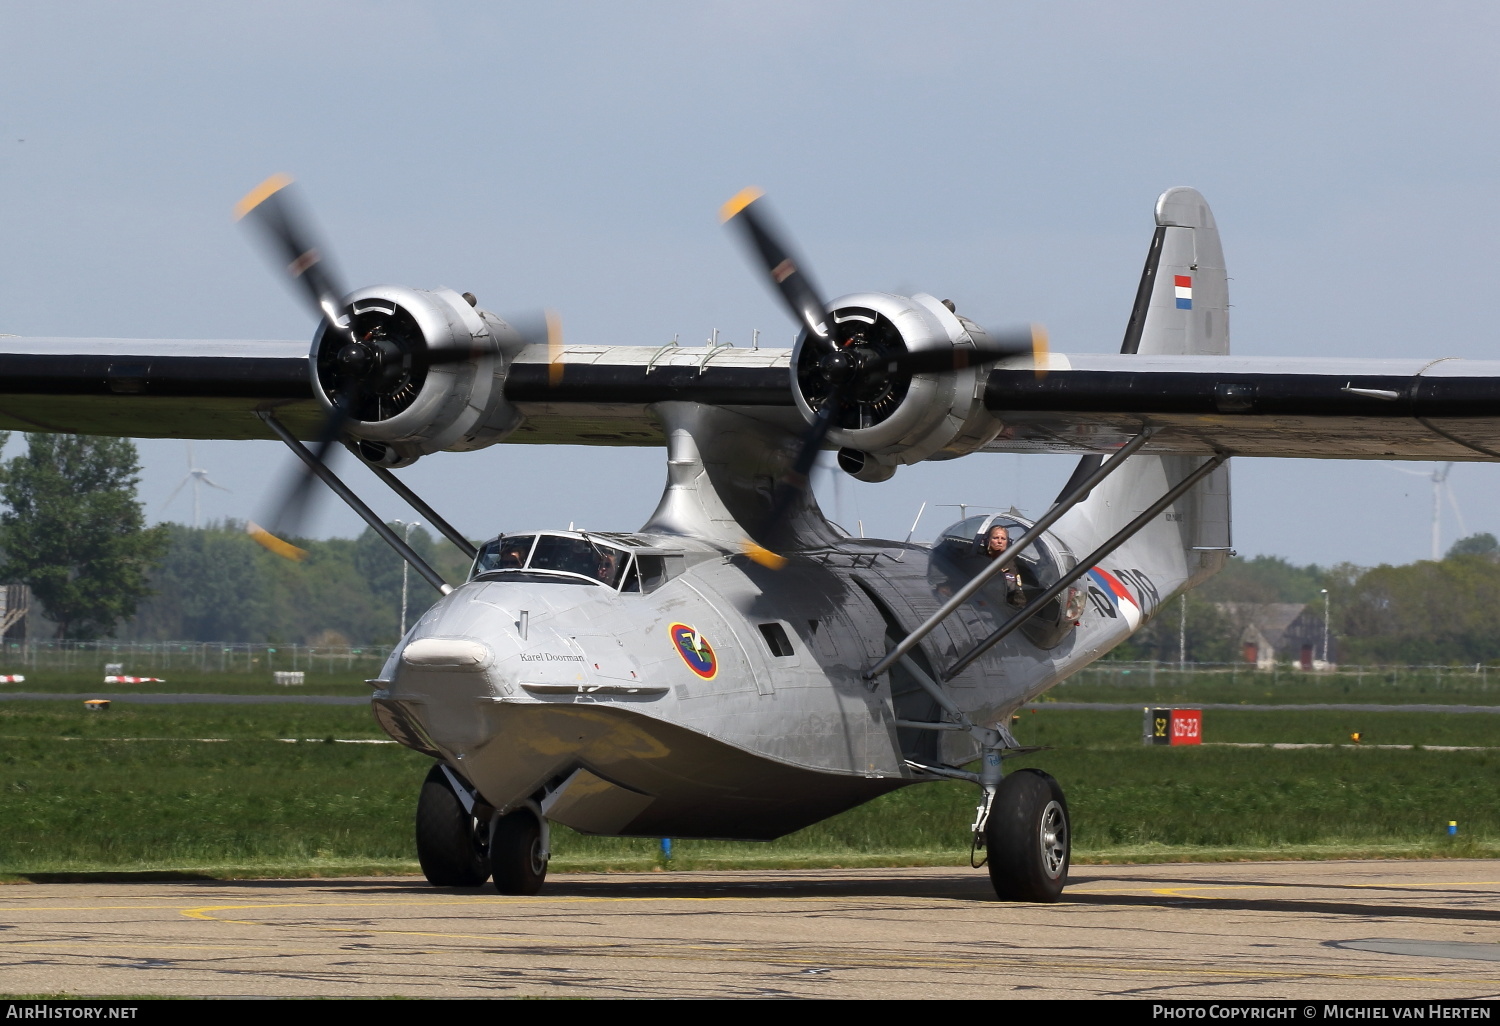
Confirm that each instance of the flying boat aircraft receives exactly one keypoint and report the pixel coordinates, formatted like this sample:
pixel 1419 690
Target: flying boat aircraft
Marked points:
pixel 740 667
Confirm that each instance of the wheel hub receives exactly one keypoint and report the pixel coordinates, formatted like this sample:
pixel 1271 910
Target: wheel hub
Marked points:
pixel 1054 839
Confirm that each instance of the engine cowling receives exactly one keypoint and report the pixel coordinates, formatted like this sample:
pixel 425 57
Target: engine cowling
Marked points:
pixel 898 418
pixel 407 404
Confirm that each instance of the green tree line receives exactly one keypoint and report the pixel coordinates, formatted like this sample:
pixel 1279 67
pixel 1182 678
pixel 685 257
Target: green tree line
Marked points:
pixel 73 530
pixel 1442 611
pixel 217 584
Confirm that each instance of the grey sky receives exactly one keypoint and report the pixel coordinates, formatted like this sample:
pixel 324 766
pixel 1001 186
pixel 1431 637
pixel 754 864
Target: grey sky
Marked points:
pixel 574 155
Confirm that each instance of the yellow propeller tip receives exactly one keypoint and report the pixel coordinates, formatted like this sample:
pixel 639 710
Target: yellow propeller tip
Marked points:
pixel 762 555
pixel 554 349
pixel 262 192
pixel 1039 350
pixel 741 200
pixel 284 549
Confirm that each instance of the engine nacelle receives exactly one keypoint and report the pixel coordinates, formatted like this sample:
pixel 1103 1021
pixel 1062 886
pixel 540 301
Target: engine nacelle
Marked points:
pixel 899 418
pixel 407 404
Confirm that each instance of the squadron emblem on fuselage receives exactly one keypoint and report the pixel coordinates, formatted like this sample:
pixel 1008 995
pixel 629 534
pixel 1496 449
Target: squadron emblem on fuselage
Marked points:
pixel 695 651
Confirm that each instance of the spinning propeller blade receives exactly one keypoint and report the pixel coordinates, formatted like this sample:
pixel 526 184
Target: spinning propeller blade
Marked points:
pixel 359 372
pixel 274 209
pixel 845 369
pixel 789 279
pixel 1001 346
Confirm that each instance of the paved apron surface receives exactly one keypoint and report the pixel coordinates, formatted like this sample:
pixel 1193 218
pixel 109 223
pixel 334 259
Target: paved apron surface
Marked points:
pixel 1273 930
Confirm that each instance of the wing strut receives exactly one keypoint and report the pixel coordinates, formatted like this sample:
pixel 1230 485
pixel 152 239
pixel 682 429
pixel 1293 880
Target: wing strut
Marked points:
pixel 414 500
pixel 1084 566
pixel 354 502
pixel 1006 558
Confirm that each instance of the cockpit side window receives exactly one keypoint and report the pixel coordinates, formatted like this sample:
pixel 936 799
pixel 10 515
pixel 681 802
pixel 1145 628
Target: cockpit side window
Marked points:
pixel 652 571
pixel 646 573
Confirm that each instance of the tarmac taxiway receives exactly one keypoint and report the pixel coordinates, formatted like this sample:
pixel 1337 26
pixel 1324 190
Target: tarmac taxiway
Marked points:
pixel 1290 930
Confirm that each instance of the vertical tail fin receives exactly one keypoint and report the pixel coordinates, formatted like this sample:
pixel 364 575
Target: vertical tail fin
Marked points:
pixel 1181 308
pixel 1182 305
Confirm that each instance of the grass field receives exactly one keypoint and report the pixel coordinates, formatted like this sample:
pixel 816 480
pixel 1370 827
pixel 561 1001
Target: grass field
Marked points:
pixel 134 791
pixel 1100 683
pixel 191 680
pixel 1425 685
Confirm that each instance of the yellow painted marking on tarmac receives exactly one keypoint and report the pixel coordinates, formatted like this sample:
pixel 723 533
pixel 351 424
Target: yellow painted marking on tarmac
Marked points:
pixel 262 192
pixel 1275 887
pixel 1184 892
pixel 88 908
pixel 137 945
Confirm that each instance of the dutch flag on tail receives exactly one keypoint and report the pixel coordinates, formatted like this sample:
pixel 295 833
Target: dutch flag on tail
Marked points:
pixel 1184 289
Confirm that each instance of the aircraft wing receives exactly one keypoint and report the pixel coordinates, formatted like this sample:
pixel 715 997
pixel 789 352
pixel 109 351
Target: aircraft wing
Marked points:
pixel 209 388
pixel 154 388
pixel 1447 409
pixel 1416 409
pixel 601 395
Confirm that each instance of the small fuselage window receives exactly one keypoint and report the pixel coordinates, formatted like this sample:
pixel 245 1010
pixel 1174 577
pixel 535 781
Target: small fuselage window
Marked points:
pixel 776 640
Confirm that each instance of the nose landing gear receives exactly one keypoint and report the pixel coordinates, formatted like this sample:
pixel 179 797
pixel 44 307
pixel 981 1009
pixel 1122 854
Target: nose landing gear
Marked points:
pixel 518 852
pixel 461 842
pixel 452 843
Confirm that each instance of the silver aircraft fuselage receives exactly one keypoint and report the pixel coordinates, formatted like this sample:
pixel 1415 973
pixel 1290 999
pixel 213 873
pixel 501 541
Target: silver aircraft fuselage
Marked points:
pixel 729 701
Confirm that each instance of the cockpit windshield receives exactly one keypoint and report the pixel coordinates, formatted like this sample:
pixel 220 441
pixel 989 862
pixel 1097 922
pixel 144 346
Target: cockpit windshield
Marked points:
pixel 574 556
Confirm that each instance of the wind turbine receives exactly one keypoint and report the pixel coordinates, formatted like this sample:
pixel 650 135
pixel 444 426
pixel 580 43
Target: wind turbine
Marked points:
pixel 199 477
pixel 1440 486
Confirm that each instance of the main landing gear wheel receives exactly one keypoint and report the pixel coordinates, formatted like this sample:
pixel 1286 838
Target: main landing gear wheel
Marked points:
pixel 1028 838
pixel 450 842
pixel 517 858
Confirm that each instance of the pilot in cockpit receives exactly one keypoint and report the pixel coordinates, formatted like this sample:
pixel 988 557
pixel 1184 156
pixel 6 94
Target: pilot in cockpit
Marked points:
pixel 609 562
pixel 996 541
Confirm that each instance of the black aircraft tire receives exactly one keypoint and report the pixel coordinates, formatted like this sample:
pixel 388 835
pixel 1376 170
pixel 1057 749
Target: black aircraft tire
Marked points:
pixel 1029 838
pixel 448 845
pixel 516 859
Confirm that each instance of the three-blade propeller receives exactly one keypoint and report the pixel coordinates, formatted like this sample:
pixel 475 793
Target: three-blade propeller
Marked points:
pixel 366 367
pixel 846 369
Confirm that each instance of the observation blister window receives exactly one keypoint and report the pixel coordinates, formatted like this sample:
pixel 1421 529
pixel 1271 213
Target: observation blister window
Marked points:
pixel 961 552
